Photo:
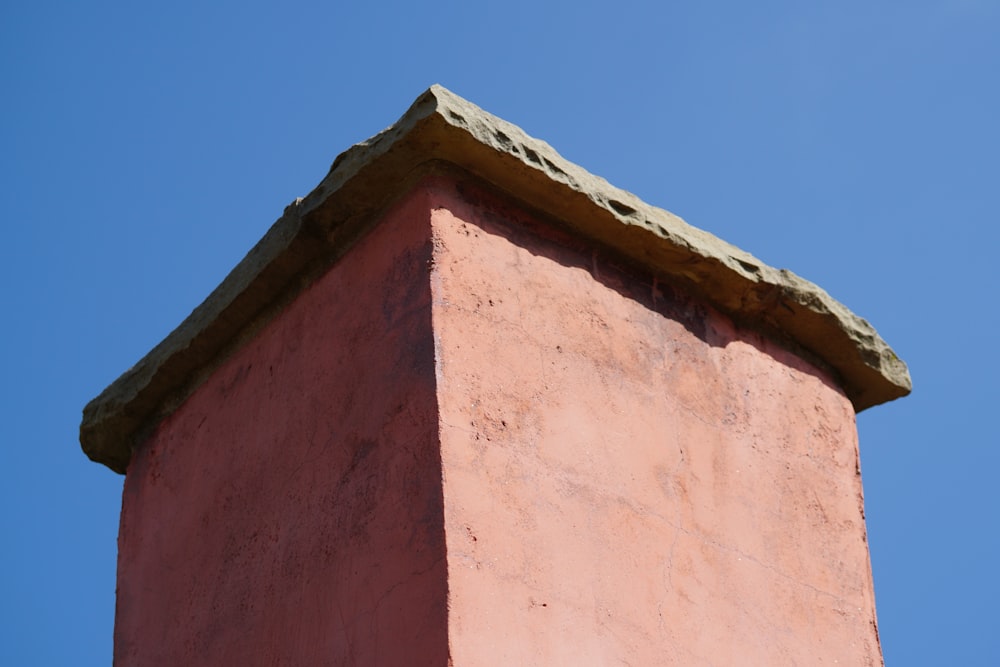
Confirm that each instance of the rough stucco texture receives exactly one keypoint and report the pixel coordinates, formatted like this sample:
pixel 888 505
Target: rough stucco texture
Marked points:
pixel 477 441
pixel 629 479
pixel 289 512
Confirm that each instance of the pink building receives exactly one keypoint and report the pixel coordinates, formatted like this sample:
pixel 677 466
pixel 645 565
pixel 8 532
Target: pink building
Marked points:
pixel 468 404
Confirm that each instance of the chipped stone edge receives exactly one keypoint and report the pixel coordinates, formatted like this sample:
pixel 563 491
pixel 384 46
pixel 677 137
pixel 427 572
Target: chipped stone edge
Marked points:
pixel 441 127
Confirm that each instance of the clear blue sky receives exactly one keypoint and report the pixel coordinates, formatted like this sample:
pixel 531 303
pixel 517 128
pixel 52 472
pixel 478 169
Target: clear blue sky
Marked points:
pixel 144 148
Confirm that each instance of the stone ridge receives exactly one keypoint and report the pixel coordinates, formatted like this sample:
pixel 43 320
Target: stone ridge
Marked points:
pixel 444 131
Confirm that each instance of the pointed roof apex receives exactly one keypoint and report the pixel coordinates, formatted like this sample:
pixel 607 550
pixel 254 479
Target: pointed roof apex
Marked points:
pixel 442 128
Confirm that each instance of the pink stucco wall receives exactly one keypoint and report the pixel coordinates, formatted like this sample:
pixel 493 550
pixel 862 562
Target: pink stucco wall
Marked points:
pixel 630 479
pixel 289 513
pixel 477 441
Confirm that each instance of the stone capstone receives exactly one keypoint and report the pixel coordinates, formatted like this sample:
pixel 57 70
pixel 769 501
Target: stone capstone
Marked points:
pixel 443 133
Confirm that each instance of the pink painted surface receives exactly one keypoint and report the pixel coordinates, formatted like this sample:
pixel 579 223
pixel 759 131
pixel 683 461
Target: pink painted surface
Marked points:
pixel 289 512
pixel 630 479
pixel 478 442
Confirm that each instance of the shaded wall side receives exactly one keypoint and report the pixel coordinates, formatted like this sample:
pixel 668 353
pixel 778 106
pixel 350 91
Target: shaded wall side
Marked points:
pixel 630 479
pixel 290 512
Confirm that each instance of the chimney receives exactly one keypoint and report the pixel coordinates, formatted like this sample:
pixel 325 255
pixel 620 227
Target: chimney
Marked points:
pixel 468 404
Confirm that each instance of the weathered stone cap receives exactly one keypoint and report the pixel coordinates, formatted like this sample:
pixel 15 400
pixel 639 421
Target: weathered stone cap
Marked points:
pixel 442 130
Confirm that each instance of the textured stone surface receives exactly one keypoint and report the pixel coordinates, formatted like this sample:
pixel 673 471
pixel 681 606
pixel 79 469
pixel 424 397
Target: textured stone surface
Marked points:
pixel 442 132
